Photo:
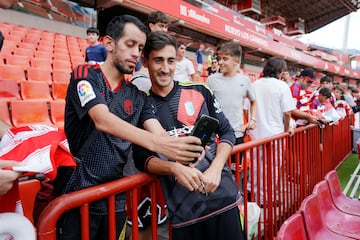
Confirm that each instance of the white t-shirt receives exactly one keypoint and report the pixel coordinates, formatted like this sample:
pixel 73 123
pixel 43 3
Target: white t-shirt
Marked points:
pixel 230 92
pixel 184 70
pixel 273 98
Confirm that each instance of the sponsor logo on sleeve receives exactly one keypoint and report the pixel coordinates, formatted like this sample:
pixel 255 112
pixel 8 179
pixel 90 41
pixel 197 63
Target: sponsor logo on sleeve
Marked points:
pixel 85 92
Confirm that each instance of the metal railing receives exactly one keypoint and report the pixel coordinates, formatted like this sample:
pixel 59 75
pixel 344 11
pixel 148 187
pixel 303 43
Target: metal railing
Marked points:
pixel 288 167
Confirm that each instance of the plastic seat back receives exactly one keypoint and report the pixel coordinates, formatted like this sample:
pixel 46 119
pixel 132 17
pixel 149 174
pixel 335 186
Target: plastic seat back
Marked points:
pixel 4 112
pixel 18 60
pixel 57 112
pixel 39 74
pixel 29 112
pixel 31 90
pixel 12 72
pixel 61 76
pixel 28 190
pixel 59 90
pixel 44 63
pixel 337 221
pixel 314 224
pixel 293 228
pixel 9 90
pixel 341 201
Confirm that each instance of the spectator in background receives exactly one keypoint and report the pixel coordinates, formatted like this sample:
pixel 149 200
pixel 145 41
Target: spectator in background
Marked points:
pixel 184 71
pixel 95 52
pixel 101 102
pixel 157 21
pixel 274 106
pixel 230 88
pixel 347 94
pixel 202 198
pixel 214 66
pixel 199 59
pixel 300 91
pixel 341 106
pixel 209 59
pixel 286 77
pixel 303 97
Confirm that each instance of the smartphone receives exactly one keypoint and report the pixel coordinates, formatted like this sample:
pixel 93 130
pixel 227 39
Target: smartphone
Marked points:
pixel 204 127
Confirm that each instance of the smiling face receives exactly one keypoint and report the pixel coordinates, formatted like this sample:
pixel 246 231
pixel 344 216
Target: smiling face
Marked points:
pixel 127 50
pixel 161 65
pixel 228 64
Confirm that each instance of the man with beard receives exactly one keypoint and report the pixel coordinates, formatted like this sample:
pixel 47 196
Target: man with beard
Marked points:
pixel 103 107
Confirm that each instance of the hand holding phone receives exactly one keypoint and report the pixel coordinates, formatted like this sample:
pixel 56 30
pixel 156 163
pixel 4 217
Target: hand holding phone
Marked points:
pixel 204 127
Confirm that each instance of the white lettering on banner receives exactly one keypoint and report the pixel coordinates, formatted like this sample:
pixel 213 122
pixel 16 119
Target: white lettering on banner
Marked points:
pixel 193 14
pixel 245 35
pixel 337 68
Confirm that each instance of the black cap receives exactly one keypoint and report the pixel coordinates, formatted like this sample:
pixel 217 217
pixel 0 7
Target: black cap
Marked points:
pixel 308 73
pixel 325 79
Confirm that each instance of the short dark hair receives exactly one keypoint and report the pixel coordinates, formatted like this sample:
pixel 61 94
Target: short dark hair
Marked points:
pixel 325 79
pixel 232 48
pixel 157 40
pixel 1 40
pixel 115 27
pixel 92 30
pixel 178 44
pixel 274 66
pixel 157 17
pixel 325 92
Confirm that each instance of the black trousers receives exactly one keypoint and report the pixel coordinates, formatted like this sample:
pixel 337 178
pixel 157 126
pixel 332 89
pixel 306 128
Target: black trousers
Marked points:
pixel 225 226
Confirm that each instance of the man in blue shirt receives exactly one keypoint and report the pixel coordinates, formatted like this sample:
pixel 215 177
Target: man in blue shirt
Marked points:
pixel 96 52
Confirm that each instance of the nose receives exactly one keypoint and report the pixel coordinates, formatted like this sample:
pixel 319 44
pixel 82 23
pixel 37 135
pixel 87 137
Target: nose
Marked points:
pixel 165 67
pixel 136 52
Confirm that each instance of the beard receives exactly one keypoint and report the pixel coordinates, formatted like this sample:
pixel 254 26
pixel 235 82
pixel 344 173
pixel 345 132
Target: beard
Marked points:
pixel 123 69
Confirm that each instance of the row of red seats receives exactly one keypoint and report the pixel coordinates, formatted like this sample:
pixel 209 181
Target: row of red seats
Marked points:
pixel 18 74
pixel 326 214
pixel 20 112
pixel 32 90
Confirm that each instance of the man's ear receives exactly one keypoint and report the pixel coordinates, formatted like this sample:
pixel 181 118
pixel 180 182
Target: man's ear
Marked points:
pixel 151 26
pixel 108 43
pixel 144 61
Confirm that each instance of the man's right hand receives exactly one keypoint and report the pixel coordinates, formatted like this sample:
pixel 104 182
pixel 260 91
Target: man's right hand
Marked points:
pixel 189 177
pixel 7 177
pixel 183 149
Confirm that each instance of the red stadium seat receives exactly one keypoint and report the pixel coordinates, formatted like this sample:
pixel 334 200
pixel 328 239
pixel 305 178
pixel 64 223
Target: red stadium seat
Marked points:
pixel 44 54
pixel 29 112
pixel 337 221
pixel 4 112
pixel 24 52
pixel 44 63
pixel 39 74
pixel 62 65
pixel 9 90
pixel 59 90
pixel 12 72
pixel 57 112
pixel 314 223
pixel 341 201
pixel 18 60
pixel 35 90
pixel 28 190
pixel 293 228
pixel 61 76
pixel 27 45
